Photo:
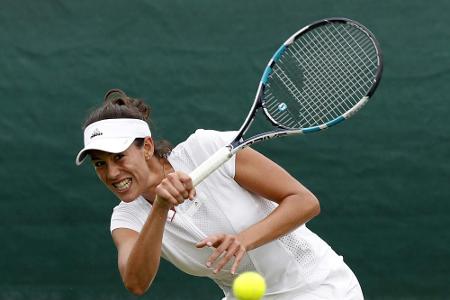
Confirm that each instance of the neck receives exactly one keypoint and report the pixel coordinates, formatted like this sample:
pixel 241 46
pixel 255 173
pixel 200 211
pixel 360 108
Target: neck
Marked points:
pixel 166 167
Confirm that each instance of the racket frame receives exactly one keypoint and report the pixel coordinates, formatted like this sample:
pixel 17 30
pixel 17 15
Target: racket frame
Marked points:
pixel 225 153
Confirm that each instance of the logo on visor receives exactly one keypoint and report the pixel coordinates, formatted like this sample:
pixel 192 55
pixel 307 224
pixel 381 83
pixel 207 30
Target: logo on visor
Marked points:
pixel 96 133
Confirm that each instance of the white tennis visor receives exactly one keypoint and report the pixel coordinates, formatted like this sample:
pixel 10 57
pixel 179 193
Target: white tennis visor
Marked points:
pixel 112 135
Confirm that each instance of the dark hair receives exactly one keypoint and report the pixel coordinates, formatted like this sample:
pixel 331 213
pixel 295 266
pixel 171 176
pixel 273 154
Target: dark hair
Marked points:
pixel 117 104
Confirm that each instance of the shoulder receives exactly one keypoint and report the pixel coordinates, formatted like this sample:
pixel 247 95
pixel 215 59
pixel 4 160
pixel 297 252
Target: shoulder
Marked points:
pixel 130 215
pixel 133 206
pixel 208 140
pixel 199 146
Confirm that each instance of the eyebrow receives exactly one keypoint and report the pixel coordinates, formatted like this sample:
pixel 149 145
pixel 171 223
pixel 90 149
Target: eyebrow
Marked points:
pixel 93 157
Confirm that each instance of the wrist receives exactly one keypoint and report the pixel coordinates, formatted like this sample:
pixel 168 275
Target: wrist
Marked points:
pixel 245 241
pixel 160 203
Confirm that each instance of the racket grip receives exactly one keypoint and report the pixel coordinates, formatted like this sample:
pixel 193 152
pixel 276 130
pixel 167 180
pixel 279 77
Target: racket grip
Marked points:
pixel 210 165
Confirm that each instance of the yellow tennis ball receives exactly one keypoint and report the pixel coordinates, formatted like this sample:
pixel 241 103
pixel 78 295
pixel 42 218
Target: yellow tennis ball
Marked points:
pixel 249 286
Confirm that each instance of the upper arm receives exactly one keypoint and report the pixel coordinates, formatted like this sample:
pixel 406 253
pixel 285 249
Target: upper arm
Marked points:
pixel 262 176
pixel 124 239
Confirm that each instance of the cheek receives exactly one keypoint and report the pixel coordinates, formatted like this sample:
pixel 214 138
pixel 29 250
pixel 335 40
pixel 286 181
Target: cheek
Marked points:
pixel 100 175
pixel 142 173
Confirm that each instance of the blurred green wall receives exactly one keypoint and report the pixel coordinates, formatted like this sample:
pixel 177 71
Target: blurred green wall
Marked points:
pixel 382 178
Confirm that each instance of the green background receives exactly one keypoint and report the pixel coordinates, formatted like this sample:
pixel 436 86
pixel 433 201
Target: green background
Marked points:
pixel 382 178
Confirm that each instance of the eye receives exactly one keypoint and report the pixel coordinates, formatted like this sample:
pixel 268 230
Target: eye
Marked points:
pixel 99 163
pixel 118 156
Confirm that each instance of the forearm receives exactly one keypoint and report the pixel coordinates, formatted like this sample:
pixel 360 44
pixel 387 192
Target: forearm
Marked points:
pixel 292 212
pixel 143 262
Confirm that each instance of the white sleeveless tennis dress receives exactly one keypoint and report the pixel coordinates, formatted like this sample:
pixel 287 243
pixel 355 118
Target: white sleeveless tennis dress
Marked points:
pixel 299 265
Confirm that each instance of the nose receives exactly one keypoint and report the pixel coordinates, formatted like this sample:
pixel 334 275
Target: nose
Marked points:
pixel 112 171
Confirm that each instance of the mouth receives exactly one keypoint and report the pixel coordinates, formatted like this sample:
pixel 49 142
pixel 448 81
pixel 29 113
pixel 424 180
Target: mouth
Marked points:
pixel 123 185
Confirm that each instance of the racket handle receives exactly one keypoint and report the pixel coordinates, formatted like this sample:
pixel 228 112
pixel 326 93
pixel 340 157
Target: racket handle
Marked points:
pixel 210 165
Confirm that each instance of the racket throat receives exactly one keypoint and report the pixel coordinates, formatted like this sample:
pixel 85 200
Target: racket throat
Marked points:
pixel 257 104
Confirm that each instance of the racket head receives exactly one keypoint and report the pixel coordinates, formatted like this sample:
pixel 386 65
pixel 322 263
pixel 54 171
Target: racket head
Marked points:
pixel 320 76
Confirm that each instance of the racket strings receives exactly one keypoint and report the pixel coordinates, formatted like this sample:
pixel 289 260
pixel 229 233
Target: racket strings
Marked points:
pixel 364 44
pixel 347 71
pixel 323 74
pixel 310 107
pixel 332 64
pixel 348 57
pixel 343 81
pixel 317 67
pixel 284 117
pixel 294 91
pixel 365 62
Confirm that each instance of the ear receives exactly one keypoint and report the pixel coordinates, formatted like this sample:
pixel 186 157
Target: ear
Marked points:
pixel 149 148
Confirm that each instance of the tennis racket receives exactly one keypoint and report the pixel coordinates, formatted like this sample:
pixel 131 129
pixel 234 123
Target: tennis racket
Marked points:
pixel 322 75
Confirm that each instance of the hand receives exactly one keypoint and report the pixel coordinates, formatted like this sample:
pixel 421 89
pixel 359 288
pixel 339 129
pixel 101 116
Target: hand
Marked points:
pixel 226 244
pixel 175 189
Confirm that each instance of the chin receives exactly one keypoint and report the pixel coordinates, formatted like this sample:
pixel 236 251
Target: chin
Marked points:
pixel 127 200
pixel 127 196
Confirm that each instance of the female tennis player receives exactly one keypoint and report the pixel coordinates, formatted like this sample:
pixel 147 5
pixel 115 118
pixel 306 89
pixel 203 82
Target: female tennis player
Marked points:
pixel 249 215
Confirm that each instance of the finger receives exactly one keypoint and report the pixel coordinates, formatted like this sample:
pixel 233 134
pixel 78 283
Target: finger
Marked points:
pixel 219 251
pixel 205 242
pixel 238 257
pixel 210 240
pixel 188 184
pixel 178 185
pixel 186 180
pixel 230 252
pixel 192 194
pixel 175 194
pixel 165 196
pixel 170 192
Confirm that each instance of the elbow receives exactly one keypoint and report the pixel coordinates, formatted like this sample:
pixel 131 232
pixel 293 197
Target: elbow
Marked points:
pixel 138 281
pixel 316 206
pixel 313 205
pixel 136 289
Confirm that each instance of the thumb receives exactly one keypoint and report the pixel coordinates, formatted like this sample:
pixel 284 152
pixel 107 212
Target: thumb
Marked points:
pixel 203 243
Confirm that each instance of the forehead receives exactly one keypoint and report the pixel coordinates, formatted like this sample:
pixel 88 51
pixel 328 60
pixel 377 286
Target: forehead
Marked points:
pixel 97 154
pixel 101 155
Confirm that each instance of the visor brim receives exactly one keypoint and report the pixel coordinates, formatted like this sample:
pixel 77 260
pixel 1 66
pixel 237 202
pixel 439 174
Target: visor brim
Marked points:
pixel 111 145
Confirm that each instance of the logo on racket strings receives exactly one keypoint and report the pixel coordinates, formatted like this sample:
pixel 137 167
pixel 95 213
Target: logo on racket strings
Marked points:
pixel 282 107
